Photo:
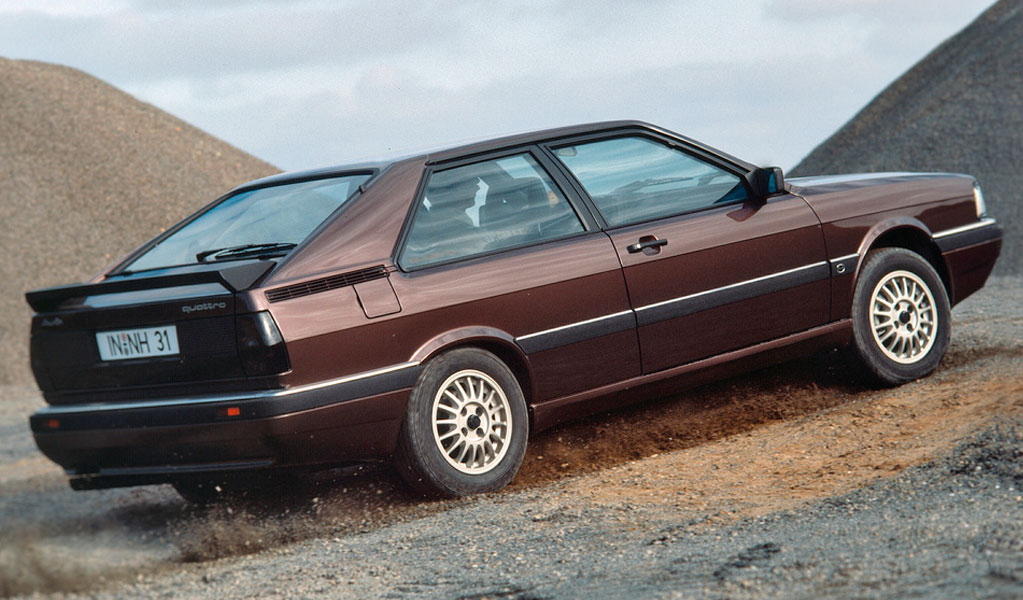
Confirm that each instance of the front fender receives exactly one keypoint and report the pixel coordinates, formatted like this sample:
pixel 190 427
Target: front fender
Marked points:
pixel 883 227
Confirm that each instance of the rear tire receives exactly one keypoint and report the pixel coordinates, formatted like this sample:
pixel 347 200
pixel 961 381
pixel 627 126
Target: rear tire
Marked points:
pixel 901 317
pixel 465 428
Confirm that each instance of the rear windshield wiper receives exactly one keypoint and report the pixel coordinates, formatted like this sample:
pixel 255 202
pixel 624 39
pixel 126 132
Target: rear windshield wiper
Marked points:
pixel 244 250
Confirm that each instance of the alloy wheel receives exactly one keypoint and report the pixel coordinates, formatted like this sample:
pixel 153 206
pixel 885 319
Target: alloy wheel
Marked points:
pixel 903 319
pixel 471 421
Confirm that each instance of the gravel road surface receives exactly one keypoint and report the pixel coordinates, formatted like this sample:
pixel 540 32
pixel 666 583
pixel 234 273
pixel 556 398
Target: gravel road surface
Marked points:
pixel 795 481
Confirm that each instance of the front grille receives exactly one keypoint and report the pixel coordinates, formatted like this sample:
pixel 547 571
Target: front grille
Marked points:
pixel 324 284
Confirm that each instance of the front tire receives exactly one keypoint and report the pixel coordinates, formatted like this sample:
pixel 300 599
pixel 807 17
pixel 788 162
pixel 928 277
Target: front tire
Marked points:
pixel 465 428
pixel 901 317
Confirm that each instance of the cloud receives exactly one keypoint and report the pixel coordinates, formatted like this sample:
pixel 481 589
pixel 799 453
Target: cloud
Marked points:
pixel 313 82
pixel 143 45
pixel 886 28
pixel 741 108
pixel 61 8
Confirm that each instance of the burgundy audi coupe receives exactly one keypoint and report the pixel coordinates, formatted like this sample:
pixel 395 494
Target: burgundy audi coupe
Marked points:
pixel 436 309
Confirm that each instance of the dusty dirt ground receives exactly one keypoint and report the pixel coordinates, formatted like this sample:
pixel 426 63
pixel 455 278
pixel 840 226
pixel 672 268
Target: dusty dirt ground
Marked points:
pixel 710 462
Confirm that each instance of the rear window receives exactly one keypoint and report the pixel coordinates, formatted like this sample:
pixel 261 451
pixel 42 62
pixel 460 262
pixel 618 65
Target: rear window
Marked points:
pixel 258 222
pixel 485 207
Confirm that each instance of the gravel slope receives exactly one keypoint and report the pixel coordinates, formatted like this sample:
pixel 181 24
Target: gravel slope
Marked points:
pixel 87 173
pixel 791 482
pixel 960 109
pixel 949 528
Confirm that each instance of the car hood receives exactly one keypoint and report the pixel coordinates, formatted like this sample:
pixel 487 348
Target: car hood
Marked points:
pixel 835 197
pixel 850 181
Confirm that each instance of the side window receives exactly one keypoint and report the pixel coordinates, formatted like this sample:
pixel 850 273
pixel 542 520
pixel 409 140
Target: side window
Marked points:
pixel 486 206
pixel 634 179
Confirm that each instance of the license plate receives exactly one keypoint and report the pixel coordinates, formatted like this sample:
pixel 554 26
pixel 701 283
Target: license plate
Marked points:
pixel 137 343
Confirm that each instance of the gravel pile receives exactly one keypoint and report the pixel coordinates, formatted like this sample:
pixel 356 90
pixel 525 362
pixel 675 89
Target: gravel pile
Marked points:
pixel 86 174
pixel 960 109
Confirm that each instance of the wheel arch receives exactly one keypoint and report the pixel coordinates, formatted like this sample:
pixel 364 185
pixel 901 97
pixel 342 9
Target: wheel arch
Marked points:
pixel 495 341
pixel 912 235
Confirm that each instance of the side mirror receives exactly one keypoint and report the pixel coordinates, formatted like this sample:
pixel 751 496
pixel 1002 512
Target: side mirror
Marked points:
pixel 766 181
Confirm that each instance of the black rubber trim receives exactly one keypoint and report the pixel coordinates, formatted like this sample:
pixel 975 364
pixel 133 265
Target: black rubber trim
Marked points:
pixel 249 408
pixel 233 278
pixel 689 305
pixel 577 333
pixel 979 235
pixel 325 284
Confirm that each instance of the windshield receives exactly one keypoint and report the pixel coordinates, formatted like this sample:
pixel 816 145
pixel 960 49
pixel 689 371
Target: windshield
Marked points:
pixel 265 221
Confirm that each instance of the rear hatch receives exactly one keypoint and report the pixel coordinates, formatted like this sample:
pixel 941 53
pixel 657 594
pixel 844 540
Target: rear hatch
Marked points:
pixel 165 322
pixel 163 333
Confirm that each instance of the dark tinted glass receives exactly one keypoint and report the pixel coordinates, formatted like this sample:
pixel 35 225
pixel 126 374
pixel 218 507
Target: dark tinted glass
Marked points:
pixel 279 214
pixel 486 206
pixel 634 179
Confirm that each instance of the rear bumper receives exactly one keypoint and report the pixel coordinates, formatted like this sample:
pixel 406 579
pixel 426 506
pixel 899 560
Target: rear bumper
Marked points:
pixel 151 441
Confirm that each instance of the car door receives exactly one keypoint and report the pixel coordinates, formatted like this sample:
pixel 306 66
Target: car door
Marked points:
pixel 494 246
pixel 709 269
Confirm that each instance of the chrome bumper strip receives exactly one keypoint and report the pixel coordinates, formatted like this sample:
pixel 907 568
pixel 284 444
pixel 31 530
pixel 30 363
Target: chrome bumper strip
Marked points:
pixel 571 325
pixel 732 286
pixel 612 323
pixel 219 398
pixel 985 222
pixel 844 258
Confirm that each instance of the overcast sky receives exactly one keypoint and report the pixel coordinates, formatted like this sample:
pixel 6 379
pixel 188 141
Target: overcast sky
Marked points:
pixel 306 83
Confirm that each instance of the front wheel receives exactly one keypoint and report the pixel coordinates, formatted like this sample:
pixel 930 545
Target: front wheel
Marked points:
pixel 465 428
pixel 900 316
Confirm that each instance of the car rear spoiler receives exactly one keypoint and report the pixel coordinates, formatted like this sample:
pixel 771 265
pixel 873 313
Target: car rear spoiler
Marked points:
pixel 234 279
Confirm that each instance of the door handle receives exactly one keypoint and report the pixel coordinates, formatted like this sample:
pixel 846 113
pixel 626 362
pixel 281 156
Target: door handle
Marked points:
pixel 647 244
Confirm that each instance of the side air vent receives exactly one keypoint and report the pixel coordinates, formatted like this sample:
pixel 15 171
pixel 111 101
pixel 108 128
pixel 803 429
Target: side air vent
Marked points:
pixel 333 282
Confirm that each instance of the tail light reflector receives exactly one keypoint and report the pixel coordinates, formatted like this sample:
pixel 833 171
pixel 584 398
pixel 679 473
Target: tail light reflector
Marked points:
pixel 260 345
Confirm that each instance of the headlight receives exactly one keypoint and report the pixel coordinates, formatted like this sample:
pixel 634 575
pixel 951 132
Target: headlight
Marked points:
pixel 978 199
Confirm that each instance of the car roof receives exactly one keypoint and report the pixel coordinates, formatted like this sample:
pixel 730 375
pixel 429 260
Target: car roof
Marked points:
pixel 306 175
pixel 548 135
pixel 467 149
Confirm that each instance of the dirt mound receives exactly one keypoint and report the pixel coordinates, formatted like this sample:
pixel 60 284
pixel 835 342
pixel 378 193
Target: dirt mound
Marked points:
pixel 959 109
pixel 86 174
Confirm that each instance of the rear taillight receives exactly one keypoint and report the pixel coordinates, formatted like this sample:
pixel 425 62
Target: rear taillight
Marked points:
pixel 260 345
